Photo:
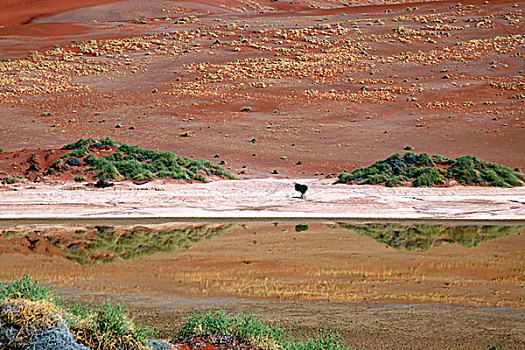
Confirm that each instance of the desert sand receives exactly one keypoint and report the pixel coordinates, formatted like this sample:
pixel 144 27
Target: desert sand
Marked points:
pixel 277 92
pixel 259 199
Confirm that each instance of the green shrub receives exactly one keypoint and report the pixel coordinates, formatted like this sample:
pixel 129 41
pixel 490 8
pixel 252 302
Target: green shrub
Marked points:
pixel 395 180
pixel 376 179
pixel 439 159
pixel 108 171
pixel 113 318
pixel 429 177
pixel 27 288
pixel 9 179
pixel 251 330
pixel 464 171
pixel 423 159
pixel 1 150
pixel 424 170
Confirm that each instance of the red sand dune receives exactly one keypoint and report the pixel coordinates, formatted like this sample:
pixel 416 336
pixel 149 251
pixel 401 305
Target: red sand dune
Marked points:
pixel 15 12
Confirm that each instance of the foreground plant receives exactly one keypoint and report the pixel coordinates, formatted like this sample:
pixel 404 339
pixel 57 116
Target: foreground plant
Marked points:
pixel 252 331
pixel 31 316
pixel 424 170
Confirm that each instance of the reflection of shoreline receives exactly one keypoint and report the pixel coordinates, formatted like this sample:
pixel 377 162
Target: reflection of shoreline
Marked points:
pixel 424 236
pixel 313 219
pixel 92 244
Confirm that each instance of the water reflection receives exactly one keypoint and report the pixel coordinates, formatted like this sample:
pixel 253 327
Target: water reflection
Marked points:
pixel 101 243
pixel 89 245
pixel 424 236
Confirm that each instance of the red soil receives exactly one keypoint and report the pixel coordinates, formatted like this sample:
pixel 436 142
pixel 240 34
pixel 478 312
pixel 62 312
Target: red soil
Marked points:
pixel 346 95
pixel 210 343
pixel 26 11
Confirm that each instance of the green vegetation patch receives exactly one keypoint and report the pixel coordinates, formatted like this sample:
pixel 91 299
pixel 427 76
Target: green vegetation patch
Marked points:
pixel 115 160
pixel 32 317
pixel 27 288
pixel 249 329
pixel 424 237
pixel 425 170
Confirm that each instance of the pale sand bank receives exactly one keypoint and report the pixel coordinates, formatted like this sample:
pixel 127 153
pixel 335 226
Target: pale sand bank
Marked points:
pixel 259 199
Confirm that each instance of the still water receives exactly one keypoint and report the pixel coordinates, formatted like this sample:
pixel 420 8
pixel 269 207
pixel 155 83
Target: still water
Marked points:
pixel 303 261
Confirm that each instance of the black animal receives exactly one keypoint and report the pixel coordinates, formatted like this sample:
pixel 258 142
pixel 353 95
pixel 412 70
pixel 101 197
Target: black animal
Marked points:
pixel 301 188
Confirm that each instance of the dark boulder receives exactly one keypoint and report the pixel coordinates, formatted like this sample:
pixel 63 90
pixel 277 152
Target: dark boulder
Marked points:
pixel 74 161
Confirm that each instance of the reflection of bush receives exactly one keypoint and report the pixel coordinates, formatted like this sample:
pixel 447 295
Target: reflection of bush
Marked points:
pixel 423 237
pixel 109 244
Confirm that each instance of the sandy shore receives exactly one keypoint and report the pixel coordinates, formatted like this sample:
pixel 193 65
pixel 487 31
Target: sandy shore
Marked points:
pixel 259 199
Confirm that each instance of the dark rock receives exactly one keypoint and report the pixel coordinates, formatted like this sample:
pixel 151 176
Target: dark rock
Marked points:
pixel 32 167
pixel 74 161
pixel 103 184
pixel 75 247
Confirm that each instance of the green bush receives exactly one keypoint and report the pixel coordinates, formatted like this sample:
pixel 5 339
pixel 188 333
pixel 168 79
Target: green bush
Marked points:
pixel 464 171
pixel 113 318
pixel 133 162
pixel 429 177
pixel 425 170
pixel 251 330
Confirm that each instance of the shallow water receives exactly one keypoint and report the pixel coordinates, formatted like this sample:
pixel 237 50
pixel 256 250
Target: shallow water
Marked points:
pixel 288 261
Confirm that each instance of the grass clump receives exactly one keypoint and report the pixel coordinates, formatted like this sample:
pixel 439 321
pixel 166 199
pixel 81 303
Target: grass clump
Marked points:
pixel 115 160
pixel 249 329
pixel 425 170
pixel 109 327
pixel 31 316
pixel 27 288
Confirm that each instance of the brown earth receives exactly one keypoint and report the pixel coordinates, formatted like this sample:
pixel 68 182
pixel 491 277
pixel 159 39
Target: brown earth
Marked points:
pixel 373 326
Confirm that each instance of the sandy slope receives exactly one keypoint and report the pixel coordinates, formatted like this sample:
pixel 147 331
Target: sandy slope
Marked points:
pixel 259 198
